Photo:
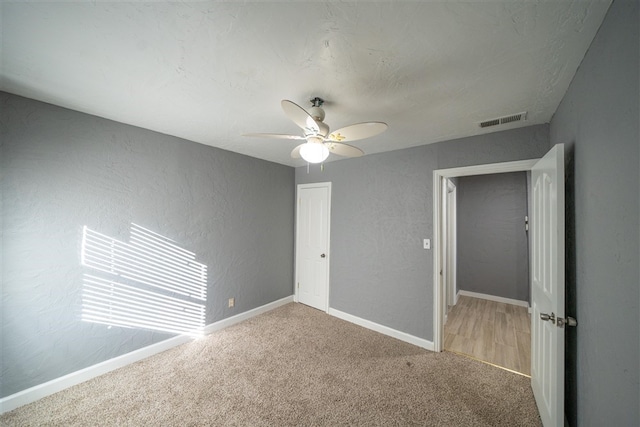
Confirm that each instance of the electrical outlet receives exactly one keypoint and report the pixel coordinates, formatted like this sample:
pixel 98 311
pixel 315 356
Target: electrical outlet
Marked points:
pixel 232 302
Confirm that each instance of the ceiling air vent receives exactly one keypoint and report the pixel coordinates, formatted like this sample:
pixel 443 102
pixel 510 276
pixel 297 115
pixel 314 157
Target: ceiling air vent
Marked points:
pixel 504 120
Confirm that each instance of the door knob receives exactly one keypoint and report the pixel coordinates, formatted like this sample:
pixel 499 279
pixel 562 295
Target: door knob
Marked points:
pixel 568 321
pixel 546 317
pixel 322 255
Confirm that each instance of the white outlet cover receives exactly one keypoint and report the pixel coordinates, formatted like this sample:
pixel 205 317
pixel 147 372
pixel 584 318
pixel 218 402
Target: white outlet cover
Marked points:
pixel 427 243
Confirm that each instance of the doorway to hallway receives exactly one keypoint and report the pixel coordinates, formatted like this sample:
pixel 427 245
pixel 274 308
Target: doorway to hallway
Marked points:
pixel 494 332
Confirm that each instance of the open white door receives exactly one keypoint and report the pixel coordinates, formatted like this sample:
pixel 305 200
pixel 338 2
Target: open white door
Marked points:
pixel 548 287
pixel 312 245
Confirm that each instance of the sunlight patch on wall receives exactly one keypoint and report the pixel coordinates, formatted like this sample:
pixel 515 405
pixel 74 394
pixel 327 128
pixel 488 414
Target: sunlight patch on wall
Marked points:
pixel 148 283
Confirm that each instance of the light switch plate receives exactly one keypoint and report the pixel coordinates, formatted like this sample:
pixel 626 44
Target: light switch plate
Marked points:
pixel 427 243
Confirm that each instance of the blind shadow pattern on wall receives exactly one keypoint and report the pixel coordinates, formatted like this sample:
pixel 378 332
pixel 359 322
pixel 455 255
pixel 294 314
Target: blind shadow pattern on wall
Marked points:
pixel 148 283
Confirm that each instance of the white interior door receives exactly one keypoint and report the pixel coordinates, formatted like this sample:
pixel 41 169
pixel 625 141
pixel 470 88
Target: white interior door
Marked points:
pixel 312 245
pixel 548 287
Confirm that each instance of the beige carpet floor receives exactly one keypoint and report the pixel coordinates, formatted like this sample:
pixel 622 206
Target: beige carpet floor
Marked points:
pixel 293 366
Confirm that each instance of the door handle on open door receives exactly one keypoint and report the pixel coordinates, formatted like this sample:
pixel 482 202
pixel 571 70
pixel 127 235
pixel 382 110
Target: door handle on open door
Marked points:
pixel 568 321
pixel 322 255
pixel 546 317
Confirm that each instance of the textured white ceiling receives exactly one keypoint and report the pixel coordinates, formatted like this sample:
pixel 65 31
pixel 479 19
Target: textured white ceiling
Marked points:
pixel 211 71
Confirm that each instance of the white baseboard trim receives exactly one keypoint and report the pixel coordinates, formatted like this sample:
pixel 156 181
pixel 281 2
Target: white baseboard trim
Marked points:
pixel 225 323
pixel 494 298
pixel 402 336
pixel 32 394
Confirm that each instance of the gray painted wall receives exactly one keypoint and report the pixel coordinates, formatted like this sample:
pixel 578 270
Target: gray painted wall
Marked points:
pixel 598 119
pixel 492 244
pixel 62 170
pixel 381 209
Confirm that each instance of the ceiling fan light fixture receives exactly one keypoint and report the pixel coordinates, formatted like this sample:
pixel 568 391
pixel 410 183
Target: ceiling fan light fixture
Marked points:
pixel 314 152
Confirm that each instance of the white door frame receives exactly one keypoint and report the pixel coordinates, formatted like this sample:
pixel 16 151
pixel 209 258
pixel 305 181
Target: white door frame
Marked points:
pixel 451 254
pixel 448 245
pixel 439 295
pixel 299 187
pixel 443 248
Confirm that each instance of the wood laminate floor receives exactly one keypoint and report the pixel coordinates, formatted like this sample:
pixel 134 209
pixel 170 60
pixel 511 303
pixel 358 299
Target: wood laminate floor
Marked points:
pixel 491 331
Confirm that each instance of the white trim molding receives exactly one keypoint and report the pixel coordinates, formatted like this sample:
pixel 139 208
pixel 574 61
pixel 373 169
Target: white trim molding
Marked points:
pixel 32 394
pixel 39 391
pixel 494 298
pixel 229 321
pixel 385 330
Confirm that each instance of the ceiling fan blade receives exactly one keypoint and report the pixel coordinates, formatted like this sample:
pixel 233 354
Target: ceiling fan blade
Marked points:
pixel 295 153
pixel 344 149
pixel 357 131
pixel 300 116
pixel 274 135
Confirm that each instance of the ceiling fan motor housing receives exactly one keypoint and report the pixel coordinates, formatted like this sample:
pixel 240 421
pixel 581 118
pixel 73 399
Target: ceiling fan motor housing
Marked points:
pixel 317 113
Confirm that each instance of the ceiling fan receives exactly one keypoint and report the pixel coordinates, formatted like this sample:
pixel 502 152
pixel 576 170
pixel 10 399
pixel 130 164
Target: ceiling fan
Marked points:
pixel 319 142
